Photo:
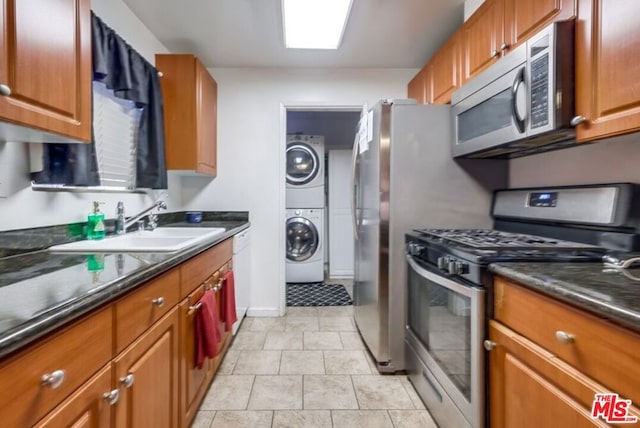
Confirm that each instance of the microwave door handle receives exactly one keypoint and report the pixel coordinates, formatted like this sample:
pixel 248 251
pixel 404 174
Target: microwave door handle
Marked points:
pixel 517 117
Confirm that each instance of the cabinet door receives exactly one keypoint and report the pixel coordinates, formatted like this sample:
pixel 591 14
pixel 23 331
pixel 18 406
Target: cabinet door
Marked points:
pixel 45 60
pixel 207 112
pixel 419 87
pixel 523 18
pixel 446 70
pixel 86 408
pixel 607 68
pixel 151 397
pixel 482 36
pixel 529 387
pixel 194 381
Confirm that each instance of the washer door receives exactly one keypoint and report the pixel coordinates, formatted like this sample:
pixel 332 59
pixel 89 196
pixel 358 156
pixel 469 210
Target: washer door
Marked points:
pixel 302 163
pixel 302 239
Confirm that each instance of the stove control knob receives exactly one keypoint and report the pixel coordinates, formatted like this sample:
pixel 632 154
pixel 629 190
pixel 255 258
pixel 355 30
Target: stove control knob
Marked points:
pixel 414 248
pixel 442 263
pixel 452 267
pixel 456 267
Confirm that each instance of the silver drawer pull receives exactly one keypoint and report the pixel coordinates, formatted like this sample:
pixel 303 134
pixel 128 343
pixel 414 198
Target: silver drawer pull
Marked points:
pixel 111 397
pixel 127 380
pixel 5 91
pixel 219 285
pixel 489 345
pixel 53 379
pixel 159 301
pixel 564 337
pixel 194 308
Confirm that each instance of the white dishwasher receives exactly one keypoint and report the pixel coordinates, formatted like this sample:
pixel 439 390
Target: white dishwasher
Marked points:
pixel 241 273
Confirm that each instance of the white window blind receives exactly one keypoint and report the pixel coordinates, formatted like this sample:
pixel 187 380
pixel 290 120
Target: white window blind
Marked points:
pixel 115 127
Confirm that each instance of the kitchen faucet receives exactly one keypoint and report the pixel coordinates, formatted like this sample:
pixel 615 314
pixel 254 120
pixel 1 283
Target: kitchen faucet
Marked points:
pixel 122 224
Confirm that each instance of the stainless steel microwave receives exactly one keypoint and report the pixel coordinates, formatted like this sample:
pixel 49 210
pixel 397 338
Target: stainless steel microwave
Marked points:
pixel 521 105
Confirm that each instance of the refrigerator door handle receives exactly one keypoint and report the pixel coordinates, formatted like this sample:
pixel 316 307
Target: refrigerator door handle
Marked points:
pixel 354 193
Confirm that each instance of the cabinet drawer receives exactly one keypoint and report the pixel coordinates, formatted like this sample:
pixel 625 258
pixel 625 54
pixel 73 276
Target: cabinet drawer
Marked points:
pixel 196 270
pixel 602 350
pixel 137 311
pixel 79 351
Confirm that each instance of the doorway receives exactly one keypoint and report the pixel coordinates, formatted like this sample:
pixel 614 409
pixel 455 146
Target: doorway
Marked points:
pixel 328 133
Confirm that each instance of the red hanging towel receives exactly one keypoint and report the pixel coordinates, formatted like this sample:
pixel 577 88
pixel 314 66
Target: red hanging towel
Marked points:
pixel 207 328
pixel 228 296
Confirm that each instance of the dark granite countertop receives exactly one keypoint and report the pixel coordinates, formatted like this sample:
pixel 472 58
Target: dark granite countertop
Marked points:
pixel 608 293
pixel 41 290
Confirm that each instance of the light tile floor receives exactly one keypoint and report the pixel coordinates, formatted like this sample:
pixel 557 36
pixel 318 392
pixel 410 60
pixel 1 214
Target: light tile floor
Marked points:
pixel 309 368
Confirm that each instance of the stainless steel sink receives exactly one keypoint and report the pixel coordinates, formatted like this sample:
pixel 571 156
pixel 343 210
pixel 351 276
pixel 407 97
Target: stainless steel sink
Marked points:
pixel 163 239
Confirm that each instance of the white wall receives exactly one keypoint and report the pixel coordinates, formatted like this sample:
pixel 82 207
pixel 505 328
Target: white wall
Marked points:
pixel 616 160
pixel 470 6
pixel 251 153
pixel 23 208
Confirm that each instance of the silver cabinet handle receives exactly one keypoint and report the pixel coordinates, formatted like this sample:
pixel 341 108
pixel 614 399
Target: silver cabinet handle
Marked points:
pixel 5 91
pixel 495 54
pixel 503 46
pixel 111 397
pixel 564 337
pixel 489 345
pixel 53 379
pixel 127 380
pixel 577 120
pixel 158 301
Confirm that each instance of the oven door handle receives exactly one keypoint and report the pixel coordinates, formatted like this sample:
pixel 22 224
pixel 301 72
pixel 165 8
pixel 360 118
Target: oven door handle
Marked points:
pixel 466 291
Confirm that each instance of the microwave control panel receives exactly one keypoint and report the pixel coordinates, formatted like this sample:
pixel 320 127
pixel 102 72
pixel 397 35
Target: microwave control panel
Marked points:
pixel 540 91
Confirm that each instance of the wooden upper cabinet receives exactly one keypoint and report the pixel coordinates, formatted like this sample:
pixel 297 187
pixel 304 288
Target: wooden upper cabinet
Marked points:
pixel 190 113
pixel 607 68
pixel 45 63
pixel 419 87
pixel 446 69
pixel 482 37
pixel 523 18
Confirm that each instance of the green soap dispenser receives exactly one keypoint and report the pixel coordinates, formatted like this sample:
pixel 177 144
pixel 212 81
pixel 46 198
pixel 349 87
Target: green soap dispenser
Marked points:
pixel 95 222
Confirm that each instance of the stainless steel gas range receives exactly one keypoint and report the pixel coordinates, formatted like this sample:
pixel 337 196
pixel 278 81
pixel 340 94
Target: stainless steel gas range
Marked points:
pixel 448 281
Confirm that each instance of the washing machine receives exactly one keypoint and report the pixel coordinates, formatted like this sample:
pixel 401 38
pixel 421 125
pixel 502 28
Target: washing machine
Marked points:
pixel 305 236
pixel 305 171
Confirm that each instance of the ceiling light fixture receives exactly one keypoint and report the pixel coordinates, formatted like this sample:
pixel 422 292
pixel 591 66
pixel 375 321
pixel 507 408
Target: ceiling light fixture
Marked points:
pixel 314 24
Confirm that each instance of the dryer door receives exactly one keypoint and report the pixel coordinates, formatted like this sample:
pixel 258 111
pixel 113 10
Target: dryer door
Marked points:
pixel 302 239
pixel 303 164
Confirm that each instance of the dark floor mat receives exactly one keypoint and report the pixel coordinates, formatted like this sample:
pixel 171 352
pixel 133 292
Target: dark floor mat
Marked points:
pixel 317 294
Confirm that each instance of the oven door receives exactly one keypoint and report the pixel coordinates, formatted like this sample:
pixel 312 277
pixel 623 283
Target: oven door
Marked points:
pixel 444 333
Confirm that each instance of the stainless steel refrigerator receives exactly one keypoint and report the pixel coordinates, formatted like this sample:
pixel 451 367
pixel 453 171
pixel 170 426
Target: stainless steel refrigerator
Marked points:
pixel 404 177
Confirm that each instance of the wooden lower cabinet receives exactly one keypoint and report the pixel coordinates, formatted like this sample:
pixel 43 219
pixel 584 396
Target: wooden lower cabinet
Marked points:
pixel 194 382
pixel 88 407
pixel 531 388
pixel 548 360
pixel 129 364
pixel 151 398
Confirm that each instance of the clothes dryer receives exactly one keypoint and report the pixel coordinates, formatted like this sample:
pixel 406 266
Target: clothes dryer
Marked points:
pixel 305 171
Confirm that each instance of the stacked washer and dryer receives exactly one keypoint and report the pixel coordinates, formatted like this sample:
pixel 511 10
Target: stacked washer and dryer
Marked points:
pixel 305 202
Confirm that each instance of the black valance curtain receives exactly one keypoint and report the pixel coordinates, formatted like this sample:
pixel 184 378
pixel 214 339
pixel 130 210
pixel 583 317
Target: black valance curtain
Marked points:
pixel 131 77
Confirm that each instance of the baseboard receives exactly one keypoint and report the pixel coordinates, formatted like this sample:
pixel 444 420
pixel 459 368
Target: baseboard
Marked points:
pixel 263 312
pixel 340 276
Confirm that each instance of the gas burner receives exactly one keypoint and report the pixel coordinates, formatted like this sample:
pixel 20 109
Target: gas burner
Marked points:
pixel 489 239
